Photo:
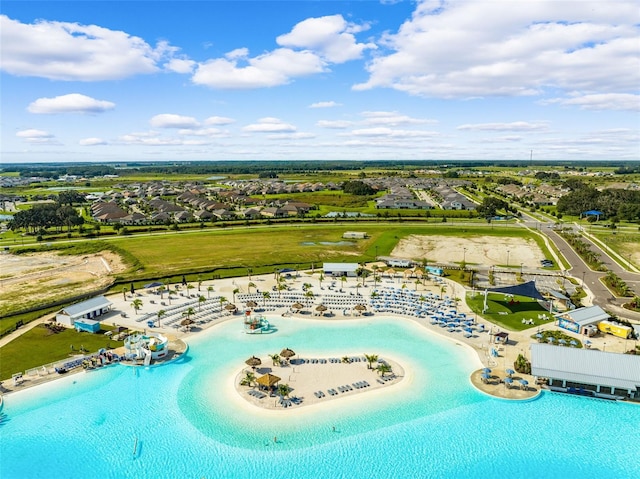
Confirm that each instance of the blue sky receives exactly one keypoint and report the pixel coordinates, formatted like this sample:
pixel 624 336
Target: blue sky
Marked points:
pixel 328 80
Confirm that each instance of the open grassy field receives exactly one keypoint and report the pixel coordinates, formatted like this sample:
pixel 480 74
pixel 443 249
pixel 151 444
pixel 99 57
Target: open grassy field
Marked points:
pixel 41 346
pixel 508 313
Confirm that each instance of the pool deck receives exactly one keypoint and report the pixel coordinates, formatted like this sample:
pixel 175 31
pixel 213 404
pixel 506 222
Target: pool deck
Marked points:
pixel 480 342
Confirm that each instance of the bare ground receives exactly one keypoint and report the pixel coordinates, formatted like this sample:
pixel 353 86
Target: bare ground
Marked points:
pixel 480 250
pixel 42 277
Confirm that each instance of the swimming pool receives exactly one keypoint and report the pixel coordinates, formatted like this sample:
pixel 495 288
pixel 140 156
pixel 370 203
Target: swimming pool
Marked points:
pixel 186 420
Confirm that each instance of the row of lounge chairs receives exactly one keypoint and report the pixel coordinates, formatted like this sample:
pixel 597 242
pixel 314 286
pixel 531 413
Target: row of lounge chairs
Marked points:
pixel 256 394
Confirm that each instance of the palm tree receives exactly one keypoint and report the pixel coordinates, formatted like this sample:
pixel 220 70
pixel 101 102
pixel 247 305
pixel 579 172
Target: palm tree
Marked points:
pixel 249 379
pixel 283 390
pixel 281 286
pixel 275 358
pixel 160 314
pixel 384 368
pixel 189 312
pixel 222 301
pixel 309 295
pixel 265 295
pixel 346 359
pixel 343 279
pixel 201 299
pixel 235 291
pixel 250 285
pixel 443 289
pixel 137 304
pixel 189 287
pixel 321 279
pixel 417 283
pixel 161 290
pixel 199 282
pixel 371 358
pixel 209 290
pixel 124 293
pixel 169 293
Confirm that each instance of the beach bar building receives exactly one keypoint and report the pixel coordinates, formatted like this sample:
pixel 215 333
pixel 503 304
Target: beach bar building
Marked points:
pixel 587 372
pixel 86 310
pixel 580 320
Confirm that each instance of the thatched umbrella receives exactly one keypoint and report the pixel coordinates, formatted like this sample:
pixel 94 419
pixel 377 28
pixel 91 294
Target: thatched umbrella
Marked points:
pixel 360 307
pixel 186 322
pixel 321 308
pixel 268 380
pixel 251 304
pixel 230 307
pixel 297 306
pixel 287 353
pixel 253 362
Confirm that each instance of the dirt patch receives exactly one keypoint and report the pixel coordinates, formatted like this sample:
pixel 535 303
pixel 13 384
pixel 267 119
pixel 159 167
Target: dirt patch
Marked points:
pixel 42 277
pixel 480 250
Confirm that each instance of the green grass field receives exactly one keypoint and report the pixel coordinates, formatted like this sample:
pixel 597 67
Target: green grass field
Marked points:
pixel 40 346
pixel 506 313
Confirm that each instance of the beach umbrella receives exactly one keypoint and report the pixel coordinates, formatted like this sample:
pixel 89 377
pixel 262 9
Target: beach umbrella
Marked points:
pixel 539 335
pixel 251 304
pixel 253 362
pixel 230 307
pixel 186 322
pixel 287 353
pixel 321 307
pixel 523 383
pixel 551 339
pixel 587 342
pixel 360 307
pixel 469 330
pixel 486 371
pixel 510 372
pixel 573 343
pixel 508 380
pixel 297 306
pixel 562 341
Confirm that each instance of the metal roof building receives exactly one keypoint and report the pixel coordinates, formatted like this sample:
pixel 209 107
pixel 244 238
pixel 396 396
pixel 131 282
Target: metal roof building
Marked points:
pixel 577 319
pixel 340 269
pixel 598 371
pixel 88 309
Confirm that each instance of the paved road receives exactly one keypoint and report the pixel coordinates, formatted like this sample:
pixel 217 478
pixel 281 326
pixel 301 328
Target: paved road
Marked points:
pixel 579 269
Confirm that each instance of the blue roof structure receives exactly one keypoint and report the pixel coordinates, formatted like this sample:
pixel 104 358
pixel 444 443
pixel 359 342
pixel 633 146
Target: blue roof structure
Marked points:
pixel 593 213
pixel 527 289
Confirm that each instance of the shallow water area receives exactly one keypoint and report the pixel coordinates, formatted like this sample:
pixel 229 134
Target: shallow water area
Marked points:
pixel 186 419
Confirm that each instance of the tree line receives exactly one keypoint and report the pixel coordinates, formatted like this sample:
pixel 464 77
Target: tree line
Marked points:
pixel 623 205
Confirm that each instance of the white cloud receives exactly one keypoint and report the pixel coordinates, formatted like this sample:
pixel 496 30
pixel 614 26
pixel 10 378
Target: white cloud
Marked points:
pixel 274 68
pixel 180 65
pixel 71 103
pixel 75 52
pixel 392 118
pixel 524 48
pixel 169 120
pixel 513 126
pixel 152 138
pixel 291 136
pixel 269 125
pixel 218 120
pixel 602 101
pixel 390 132
pixel 335 124
pixel 35 136
pixel 208 132
pixel 92 142
pixel 324 104
pixel 331 37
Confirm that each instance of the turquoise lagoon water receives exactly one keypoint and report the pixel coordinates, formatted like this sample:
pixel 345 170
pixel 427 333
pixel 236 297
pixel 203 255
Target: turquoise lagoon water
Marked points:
pixel 186 420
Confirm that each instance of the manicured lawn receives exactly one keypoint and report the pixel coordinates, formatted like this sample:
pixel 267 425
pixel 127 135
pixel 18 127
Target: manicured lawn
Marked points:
pixel 40 346
pixel 506 312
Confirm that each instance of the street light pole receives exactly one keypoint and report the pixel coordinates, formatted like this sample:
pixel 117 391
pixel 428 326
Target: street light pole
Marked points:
pixel 583 285
pixel 507 258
